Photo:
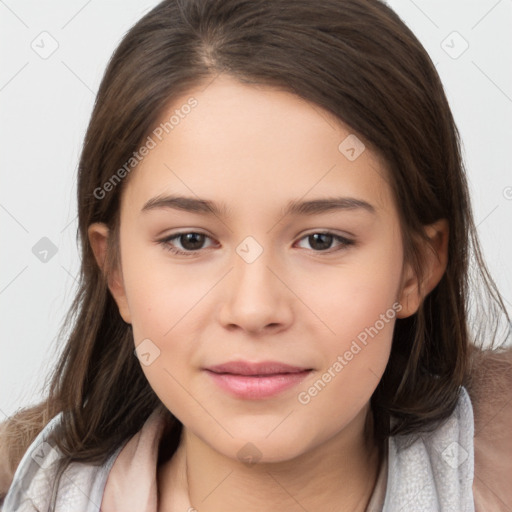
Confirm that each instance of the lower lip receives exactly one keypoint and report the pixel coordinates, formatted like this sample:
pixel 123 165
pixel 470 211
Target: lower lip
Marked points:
pixel 257 387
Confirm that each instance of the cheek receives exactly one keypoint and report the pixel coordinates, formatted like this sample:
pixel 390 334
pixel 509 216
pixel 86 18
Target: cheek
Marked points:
pixel 163 300
pixel 362 314
pixel 162 308
pixel 359 305
pixel 160 294
pixel 355 295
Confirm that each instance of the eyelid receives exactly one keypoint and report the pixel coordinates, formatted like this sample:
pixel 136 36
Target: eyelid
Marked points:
pixel 166 242
pixel 344 241
pixel 335 233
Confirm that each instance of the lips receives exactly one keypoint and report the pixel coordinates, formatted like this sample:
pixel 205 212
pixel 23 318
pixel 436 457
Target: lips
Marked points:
pixel 256 381
pixel 256 369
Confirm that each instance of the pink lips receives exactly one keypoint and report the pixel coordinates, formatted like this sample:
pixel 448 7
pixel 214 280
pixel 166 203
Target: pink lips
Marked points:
pixel 256 380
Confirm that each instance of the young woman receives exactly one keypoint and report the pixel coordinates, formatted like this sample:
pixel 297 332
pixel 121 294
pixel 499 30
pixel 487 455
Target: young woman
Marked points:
pixel 274 310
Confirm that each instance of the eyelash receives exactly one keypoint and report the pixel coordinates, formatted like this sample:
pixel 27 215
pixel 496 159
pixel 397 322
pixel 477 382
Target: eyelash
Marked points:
pixel 166 242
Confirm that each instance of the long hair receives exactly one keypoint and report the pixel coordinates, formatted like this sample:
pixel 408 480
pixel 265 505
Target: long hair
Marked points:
pixel 357 60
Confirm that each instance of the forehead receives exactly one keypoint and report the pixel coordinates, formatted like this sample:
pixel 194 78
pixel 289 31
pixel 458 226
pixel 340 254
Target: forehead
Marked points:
pixel 255 147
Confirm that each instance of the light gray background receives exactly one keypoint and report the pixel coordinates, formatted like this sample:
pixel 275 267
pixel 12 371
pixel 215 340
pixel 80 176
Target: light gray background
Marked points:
pixel 45 106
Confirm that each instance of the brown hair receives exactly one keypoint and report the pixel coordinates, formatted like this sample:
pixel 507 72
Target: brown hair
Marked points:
pixel 357 60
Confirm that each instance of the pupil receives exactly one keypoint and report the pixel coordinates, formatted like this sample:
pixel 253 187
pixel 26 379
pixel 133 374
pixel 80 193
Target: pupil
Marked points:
pixel 192 241
pixel 316 240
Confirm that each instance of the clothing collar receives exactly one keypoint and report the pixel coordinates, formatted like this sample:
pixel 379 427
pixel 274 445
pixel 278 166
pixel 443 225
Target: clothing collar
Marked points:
pixel 420 472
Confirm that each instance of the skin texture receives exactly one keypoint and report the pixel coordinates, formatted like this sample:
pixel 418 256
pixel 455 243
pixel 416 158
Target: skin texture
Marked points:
pixel 255 149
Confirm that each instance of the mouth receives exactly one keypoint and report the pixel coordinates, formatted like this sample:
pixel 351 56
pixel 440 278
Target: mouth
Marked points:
pixel 256 380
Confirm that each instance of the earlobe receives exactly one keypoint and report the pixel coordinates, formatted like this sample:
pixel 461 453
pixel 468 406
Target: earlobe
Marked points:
pixel 435 262
pixel 98 234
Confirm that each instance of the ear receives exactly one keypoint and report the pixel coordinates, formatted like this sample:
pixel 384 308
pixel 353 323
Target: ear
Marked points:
pixel 98 233
pixel 435 260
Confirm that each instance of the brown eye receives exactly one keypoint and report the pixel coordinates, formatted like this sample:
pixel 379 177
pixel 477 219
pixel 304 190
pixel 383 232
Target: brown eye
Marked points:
pixel 322 241
pixel 188 243
pixel 192 241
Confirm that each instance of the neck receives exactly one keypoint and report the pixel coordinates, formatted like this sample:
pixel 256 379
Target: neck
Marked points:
pixel 338 475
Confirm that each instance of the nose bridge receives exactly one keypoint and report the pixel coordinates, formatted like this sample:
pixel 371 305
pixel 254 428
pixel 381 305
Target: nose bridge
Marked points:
pixel 251 267
pixel 256 297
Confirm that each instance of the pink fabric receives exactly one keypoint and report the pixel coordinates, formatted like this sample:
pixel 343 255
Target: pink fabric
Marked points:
pixel 132 481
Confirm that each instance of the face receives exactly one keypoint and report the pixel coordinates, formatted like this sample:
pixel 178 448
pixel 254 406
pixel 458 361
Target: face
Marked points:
pixel 258 277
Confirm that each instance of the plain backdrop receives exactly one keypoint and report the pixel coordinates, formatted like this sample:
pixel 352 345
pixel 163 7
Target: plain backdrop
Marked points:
pixel 53 55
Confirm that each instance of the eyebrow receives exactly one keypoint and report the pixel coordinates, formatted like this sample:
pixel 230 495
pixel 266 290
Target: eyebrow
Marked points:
pixel 296 207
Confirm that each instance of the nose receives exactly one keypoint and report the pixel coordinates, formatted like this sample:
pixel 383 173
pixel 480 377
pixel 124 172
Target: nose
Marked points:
pixel 255 297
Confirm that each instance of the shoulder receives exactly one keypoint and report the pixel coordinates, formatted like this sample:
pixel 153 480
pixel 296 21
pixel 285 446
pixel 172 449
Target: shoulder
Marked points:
pixel 32 472
pixel 17 432
pixel 490 389
pixel 80 487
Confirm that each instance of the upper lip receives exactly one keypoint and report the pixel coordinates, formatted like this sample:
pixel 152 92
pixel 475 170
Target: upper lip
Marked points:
pixel 260 368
